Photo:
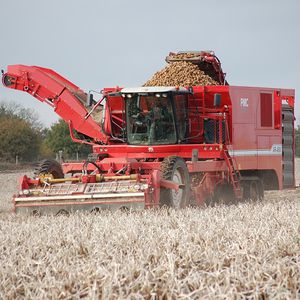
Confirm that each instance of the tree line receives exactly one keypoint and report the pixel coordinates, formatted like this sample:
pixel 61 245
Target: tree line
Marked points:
pixel 23 136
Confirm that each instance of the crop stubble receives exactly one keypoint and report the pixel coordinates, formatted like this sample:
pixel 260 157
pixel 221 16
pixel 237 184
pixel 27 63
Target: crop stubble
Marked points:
pixel 250 250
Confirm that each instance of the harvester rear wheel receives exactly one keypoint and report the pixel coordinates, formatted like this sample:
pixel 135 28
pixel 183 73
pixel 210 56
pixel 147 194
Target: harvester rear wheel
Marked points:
pixel 49 166
pixel 174 168
pixel 253 190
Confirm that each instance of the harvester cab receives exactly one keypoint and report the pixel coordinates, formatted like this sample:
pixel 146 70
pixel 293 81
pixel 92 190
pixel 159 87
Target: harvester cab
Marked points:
pixel 155 115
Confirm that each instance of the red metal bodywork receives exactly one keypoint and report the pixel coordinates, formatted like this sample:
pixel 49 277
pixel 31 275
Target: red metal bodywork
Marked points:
pixel 255 148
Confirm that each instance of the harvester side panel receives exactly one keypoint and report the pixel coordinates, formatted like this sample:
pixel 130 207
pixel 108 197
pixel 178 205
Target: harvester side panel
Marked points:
pixel 257 131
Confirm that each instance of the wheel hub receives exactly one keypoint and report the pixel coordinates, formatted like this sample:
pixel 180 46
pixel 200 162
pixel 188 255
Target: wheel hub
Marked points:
pixel 177 195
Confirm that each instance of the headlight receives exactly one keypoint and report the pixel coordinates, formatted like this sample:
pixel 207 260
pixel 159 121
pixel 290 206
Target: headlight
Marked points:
pixel 25 192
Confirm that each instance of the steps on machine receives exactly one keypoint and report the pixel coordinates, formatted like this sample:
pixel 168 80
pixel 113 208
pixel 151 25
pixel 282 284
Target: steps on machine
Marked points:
pixel 234 174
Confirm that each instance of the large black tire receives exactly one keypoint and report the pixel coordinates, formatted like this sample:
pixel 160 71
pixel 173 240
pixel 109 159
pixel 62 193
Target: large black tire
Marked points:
pixel 49 166
pixel 253 190
pixel 174 168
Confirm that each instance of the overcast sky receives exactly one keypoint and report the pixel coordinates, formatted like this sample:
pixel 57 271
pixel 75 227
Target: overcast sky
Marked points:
pixel 97 43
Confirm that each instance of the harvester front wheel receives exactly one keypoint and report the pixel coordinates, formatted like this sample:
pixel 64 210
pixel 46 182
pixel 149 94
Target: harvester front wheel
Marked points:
pixel 49 166
pixel 174 168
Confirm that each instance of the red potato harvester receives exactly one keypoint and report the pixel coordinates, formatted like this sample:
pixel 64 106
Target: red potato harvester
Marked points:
pixel 155 146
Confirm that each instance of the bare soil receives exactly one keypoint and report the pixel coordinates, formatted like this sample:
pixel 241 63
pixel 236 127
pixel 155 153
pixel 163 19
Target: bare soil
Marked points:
pixel 245 251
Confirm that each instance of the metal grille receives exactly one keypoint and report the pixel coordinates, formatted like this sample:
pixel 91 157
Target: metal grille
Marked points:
pixel 288 146
pixel 211 131
pixel 123 186
pixel 114 187
pixel 62 189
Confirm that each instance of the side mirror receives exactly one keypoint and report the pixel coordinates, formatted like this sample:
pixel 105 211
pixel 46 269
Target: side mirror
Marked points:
pixel 217 100
pixel 90 100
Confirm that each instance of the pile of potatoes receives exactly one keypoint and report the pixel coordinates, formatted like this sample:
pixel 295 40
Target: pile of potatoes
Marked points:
pixel 180 73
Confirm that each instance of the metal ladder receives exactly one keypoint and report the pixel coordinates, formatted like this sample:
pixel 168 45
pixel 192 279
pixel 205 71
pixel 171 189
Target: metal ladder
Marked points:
pixel 234 174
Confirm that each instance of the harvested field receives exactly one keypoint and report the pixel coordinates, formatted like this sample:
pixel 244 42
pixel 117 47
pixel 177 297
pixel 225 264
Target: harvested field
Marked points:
pixel 245 251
